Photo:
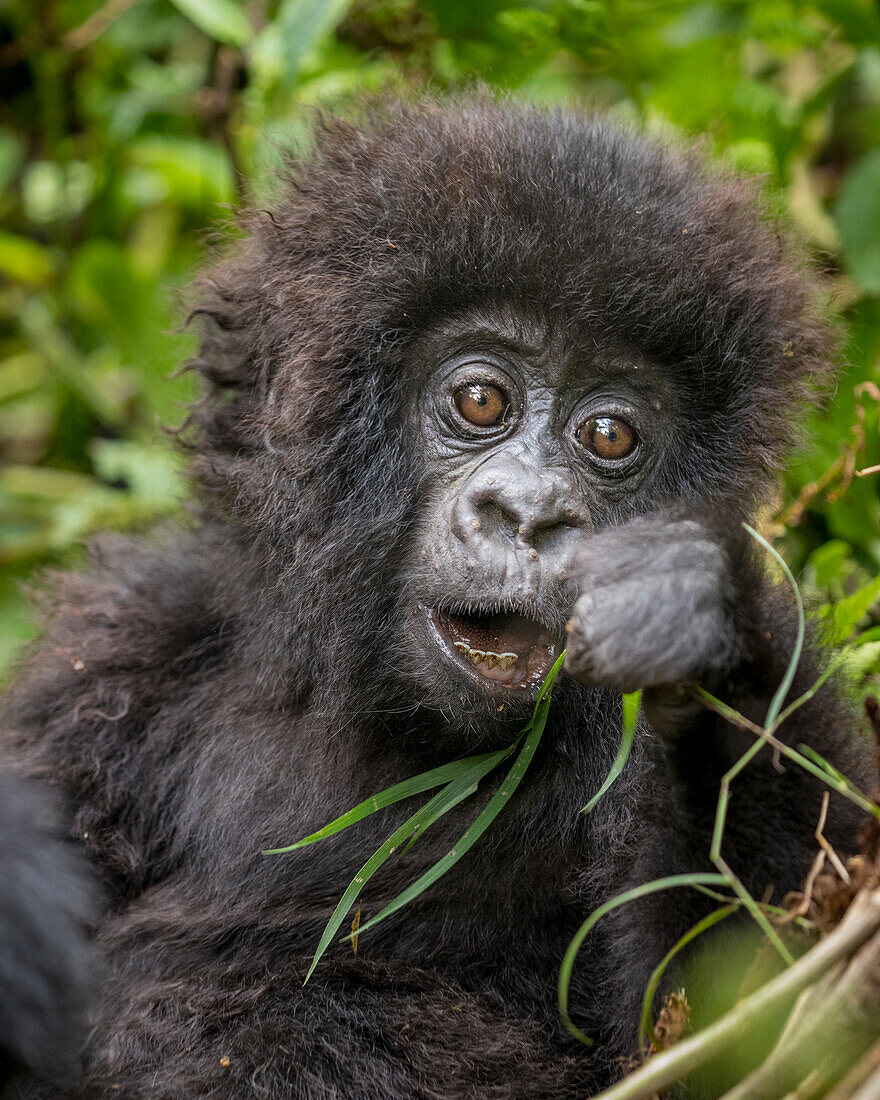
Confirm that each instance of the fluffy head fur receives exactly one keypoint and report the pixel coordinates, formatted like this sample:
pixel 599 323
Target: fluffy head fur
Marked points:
pixel 444 207
pixel 415 214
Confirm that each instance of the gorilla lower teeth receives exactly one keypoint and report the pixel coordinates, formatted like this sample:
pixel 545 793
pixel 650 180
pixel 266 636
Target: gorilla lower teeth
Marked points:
pixel 481 656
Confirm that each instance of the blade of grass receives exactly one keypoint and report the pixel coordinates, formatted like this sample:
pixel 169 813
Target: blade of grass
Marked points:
pixel 733 881
pixel 418 784
pixel 785 685
pixel 631 703
pixel 817 758
pixel 565 971
pixel 646 1024
pixel 840 784
pixel 496 803
pixel 453 793
pixel 830 668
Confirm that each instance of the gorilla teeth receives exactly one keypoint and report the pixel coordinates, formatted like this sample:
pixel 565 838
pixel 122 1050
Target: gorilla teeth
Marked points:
pixel 481 656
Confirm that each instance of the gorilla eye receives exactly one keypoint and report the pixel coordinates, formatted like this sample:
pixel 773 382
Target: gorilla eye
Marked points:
pixel 606 437
pixel 481 403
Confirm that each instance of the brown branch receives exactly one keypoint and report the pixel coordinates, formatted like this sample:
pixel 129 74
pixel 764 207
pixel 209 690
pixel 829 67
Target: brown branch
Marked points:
pixel 86 33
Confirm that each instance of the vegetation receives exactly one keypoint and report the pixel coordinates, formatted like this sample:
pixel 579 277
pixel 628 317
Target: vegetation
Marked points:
pixel 130 129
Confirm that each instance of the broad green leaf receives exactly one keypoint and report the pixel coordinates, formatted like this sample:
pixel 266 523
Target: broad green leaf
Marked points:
pixel 829 565
pixel 297 28
pixel 223 20
pixel 847 613
pixel 857 214
pixel 859 19
pixel 194 172
pixel 23 260
pixel 151 472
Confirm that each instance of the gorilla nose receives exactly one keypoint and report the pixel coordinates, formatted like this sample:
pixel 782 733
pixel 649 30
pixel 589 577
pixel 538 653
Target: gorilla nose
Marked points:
pixel 536 509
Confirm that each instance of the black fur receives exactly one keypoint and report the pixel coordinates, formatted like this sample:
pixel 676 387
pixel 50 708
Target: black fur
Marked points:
pixel 46 967
pixel 217 692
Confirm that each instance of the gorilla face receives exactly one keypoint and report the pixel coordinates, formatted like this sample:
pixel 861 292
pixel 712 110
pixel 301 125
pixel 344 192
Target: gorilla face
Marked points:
pixel 468 344
pixel 531 441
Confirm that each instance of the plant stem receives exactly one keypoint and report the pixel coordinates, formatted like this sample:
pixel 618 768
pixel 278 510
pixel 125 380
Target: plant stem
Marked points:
pixel 860 922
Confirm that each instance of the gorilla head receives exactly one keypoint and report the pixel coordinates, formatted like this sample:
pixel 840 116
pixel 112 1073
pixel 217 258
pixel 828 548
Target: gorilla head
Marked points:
pixel 468 339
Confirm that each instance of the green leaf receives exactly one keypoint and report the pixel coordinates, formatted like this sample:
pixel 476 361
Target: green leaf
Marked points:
pixel 848 612
pixel 223 20
pixel 495 805
pixel 631 703
pixel 417 785
pixel 784 687
pixel 453 793
pixel 23 260
pixel 296 29
pixel 857 214
pixel 571 954
pixel 190 171
pixel 153 473
pixel 646 1026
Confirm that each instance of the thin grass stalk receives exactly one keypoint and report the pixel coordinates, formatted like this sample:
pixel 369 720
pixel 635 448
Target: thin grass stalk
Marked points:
pixel 495 805
pixel 571 953
pixel 646 1024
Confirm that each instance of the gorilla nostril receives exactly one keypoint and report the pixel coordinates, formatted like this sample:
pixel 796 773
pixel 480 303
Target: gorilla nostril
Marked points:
pixel 495 519
pixel 550 537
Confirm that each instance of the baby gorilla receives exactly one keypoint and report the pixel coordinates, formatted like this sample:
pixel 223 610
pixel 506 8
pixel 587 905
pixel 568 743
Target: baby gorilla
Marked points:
pixel 483 374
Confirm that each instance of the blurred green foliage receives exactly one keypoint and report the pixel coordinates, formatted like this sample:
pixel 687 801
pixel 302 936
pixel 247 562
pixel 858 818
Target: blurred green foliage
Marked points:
pixel 129 127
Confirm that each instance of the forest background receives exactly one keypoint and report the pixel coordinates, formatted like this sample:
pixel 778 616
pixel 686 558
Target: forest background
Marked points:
pixel 131 129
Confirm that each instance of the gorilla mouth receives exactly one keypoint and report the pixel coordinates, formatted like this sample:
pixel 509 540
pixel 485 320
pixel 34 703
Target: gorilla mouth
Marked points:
pixel 504 647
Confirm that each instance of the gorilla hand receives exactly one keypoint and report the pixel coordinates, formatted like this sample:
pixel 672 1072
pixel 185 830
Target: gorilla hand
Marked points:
pixel 655 606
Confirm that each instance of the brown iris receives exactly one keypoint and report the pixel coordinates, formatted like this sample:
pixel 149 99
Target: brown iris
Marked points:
pixel 607 437
pixel 481 403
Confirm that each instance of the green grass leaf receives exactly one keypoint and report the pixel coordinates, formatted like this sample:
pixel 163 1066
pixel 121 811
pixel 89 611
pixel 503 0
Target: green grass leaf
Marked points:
pixel 495 805
pixel 631 703
pixel 453 793
pixel 571 954
pixel 222 20
pixel 646 1025
pixel 785 685
pixel 426 781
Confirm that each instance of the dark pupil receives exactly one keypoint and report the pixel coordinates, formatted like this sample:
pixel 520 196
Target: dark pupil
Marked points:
pixel 607 437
